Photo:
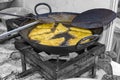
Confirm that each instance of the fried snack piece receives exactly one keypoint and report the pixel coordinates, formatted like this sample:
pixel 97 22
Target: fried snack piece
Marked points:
pixel 77 37
pixel 37 31
pixel 42 37
pixel 79 34
pixel 75 33
pixel 41 29
pixel 73 41
pixel 53 42
pixel 46 26
pixel 60 29
pixel 80 29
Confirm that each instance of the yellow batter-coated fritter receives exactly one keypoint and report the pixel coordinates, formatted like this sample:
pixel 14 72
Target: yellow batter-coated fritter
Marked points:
pixel 41 29
pixel 78 35
pixel 37 31
pixel 74 41
pixel 46 26
pixel 75 33
pixel 80 30
pixel 60 29
pixel 42 36
pixel 53 42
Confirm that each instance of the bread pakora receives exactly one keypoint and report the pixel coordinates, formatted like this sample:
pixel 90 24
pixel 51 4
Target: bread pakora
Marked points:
pixel 41 29
pixel 74 41
pixel 60 29
pixel 42 36
pixel 38 32
pixel 46 26
pixel 80 30
pixel 78 34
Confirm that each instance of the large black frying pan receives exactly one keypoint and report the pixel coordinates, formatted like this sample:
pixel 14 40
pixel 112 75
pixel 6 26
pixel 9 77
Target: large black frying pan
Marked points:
pixel 64 17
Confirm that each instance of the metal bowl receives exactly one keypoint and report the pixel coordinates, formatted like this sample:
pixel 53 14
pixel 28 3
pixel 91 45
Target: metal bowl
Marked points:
pixel 5 4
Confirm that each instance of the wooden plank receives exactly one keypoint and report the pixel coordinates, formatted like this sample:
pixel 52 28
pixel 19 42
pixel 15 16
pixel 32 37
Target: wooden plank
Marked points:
pixel 39 62
pixel 75 68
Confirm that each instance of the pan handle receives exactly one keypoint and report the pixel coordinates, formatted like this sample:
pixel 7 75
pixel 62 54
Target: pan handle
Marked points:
pixel 81 44
pixel 35 8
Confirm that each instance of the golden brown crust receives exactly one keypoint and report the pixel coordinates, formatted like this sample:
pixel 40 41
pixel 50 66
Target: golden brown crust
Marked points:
pixel 80 30
pixel 38 32
pixel 60 29
pixel 45 26
pixel 42 36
